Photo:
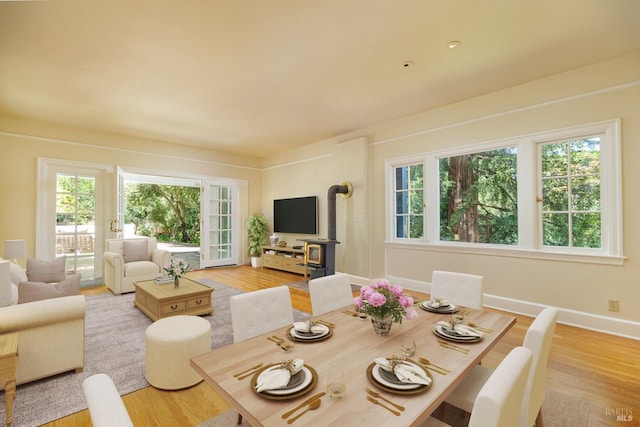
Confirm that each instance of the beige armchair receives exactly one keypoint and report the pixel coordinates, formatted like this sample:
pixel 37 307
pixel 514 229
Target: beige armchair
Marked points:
pixel 130 260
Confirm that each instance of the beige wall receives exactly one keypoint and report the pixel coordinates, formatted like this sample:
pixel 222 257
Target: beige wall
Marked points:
pixel 600 92
pixel 22 142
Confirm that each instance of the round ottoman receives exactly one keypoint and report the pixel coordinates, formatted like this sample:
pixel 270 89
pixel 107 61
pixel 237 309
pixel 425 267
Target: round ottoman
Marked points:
pixel 169 344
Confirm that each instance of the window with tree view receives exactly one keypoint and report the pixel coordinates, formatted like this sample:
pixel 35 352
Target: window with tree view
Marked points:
pixel 571 209
pixel 409 201
pixel 479 197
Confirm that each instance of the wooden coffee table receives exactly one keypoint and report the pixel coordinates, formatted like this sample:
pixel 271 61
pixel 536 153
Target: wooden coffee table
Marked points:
pixel 158 301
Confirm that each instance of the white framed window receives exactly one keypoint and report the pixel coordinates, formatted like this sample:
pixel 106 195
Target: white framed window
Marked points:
pixel 554 195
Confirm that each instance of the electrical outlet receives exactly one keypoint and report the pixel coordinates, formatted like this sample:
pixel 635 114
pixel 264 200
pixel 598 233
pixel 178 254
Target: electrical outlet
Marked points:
pixel 614 305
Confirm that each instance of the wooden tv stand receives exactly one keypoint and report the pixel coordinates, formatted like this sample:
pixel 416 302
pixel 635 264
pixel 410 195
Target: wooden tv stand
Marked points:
pixel 285 259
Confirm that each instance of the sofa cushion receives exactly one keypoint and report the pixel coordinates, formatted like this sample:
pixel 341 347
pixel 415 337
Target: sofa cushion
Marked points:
pixel 46 271
pixel 36 291
pixel 135 250
pixel 17 274
pixel 140 268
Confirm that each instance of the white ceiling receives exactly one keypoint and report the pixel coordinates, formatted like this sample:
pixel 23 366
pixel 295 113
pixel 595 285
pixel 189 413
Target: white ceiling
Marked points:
pixel 258 76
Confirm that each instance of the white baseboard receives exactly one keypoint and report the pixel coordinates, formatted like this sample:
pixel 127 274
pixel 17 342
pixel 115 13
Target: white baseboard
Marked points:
pixel 579 319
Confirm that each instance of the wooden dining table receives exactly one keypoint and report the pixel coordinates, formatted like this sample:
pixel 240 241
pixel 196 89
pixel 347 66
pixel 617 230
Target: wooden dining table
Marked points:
pixel 351 349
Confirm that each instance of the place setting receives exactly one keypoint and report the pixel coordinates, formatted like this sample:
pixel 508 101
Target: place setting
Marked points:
pixel 455 331
pixel 399 375
pixel 309 331
pixel 284 380
pixel 438 305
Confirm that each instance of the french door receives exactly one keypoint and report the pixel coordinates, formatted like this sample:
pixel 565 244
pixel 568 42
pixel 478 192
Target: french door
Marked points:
pixel 71 207
pixel 219 223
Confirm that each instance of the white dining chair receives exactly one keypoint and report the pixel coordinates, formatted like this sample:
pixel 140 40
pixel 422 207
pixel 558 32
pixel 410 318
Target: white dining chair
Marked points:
pixel 105 405
pixel 459 288
pixel 329 293
pixel 257 312
pixel 498 402
pixel 538 340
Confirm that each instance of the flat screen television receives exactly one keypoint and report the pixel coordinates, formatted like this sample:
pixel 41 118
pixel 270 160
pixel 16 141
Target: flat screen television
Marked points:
pixel 296 215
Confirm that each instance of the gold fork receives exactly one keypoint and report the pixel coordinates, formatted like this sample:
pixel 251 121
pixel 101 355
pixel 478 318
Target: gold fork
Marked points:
pixel 453 347
pixel 379 396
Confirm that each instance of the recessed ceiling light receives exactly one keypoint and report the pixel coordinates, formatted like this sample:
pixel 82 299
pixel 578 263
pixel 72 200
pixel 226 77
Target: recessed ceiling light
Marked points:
pixel 453 44
pixel 407 64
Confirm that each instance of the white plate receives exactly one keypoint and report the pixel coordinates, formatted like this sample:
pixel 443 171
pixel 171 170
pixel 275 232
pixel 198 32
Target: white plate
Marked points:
pixel 375 372
pixel 448 308
pixel 303 336
pixel 451 335
pixel 290 390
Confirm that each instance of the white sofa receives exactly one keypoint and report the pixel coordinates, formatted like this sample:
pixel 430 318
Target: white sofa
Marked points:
pixel 51 336
pixel 132 259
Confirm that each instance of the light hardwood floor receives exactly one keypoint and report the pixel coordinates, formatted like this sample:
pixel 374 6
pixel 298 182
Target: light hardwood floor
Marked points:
pixel 601 369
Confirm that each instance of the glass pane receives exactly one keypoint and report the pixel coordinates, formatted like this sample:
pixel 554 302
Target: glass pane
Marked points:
pixel 417 228
pixel 65 219
pixel 225 193
pixel 65 183
pixel 555 159
pixel 555 229
pixel 555 194
pixel 478 197
pixel 401 227
pixel 224 208
pixel 402 203
pixel 213 253
pixel 416 182
pixel 585 193
pixel 225 251
pixel 225 223
pixel 65 203
pixel 213 223
pixel 214 207
pixel 585 156
pixel 415 199
pixel 401 178
pixel 586 230
pixel 86 185
pixel 86 203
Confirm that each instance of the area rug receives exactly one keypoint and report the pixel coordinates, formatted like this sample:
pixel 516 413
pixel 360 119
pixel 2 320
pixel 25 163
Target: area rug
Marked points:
pixel 114 345
pixel 305 286
pixel 558 410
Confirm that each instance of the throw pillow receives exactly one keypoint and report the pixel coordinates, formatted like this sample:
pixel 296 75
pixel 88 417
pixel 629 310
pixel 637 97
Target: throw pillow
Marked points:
pixel 46 271
pixel 35 291
pixel 135 250
pixel 17 274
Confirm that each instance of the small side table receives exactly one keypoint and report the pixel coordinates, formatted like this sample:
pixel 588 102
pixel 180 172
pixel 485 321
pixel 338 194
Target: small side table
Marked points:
pixel 8 366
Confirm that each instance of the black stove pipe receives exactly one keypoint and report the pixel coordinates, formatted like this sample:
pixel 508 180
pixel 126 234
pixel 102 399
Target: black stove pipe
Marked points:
pixel 331 208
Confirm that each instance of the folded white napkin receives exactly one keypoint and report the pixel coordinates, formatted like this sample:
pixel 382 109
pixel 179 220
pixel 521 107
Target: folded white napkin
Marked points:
pixel 306 328
pixel 406 373
pixel 462 329
pixel 277 376
pixel 439 303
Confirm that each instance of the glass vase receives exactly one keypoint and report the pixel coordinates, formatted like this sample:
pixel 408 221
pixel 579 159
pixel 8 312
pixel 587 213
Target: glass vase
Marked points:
pixel 176 281
pixel 382 326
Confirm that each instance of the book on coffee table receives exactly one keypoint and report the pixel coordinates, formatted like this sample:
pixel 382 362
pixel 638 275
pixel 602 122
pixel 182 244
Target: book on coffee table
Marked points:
pixel 163 280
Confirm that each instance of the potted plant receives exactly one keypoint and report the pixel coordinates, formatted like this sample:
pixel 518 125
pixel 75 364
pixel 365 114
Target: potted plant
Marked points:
pixel 257 231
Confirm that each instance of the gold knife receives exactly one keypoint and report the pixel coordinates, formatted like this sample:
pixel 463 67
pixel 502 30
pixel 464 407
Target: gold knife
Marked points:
pixel 248 374
pixel 306 402
pixel 247 370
